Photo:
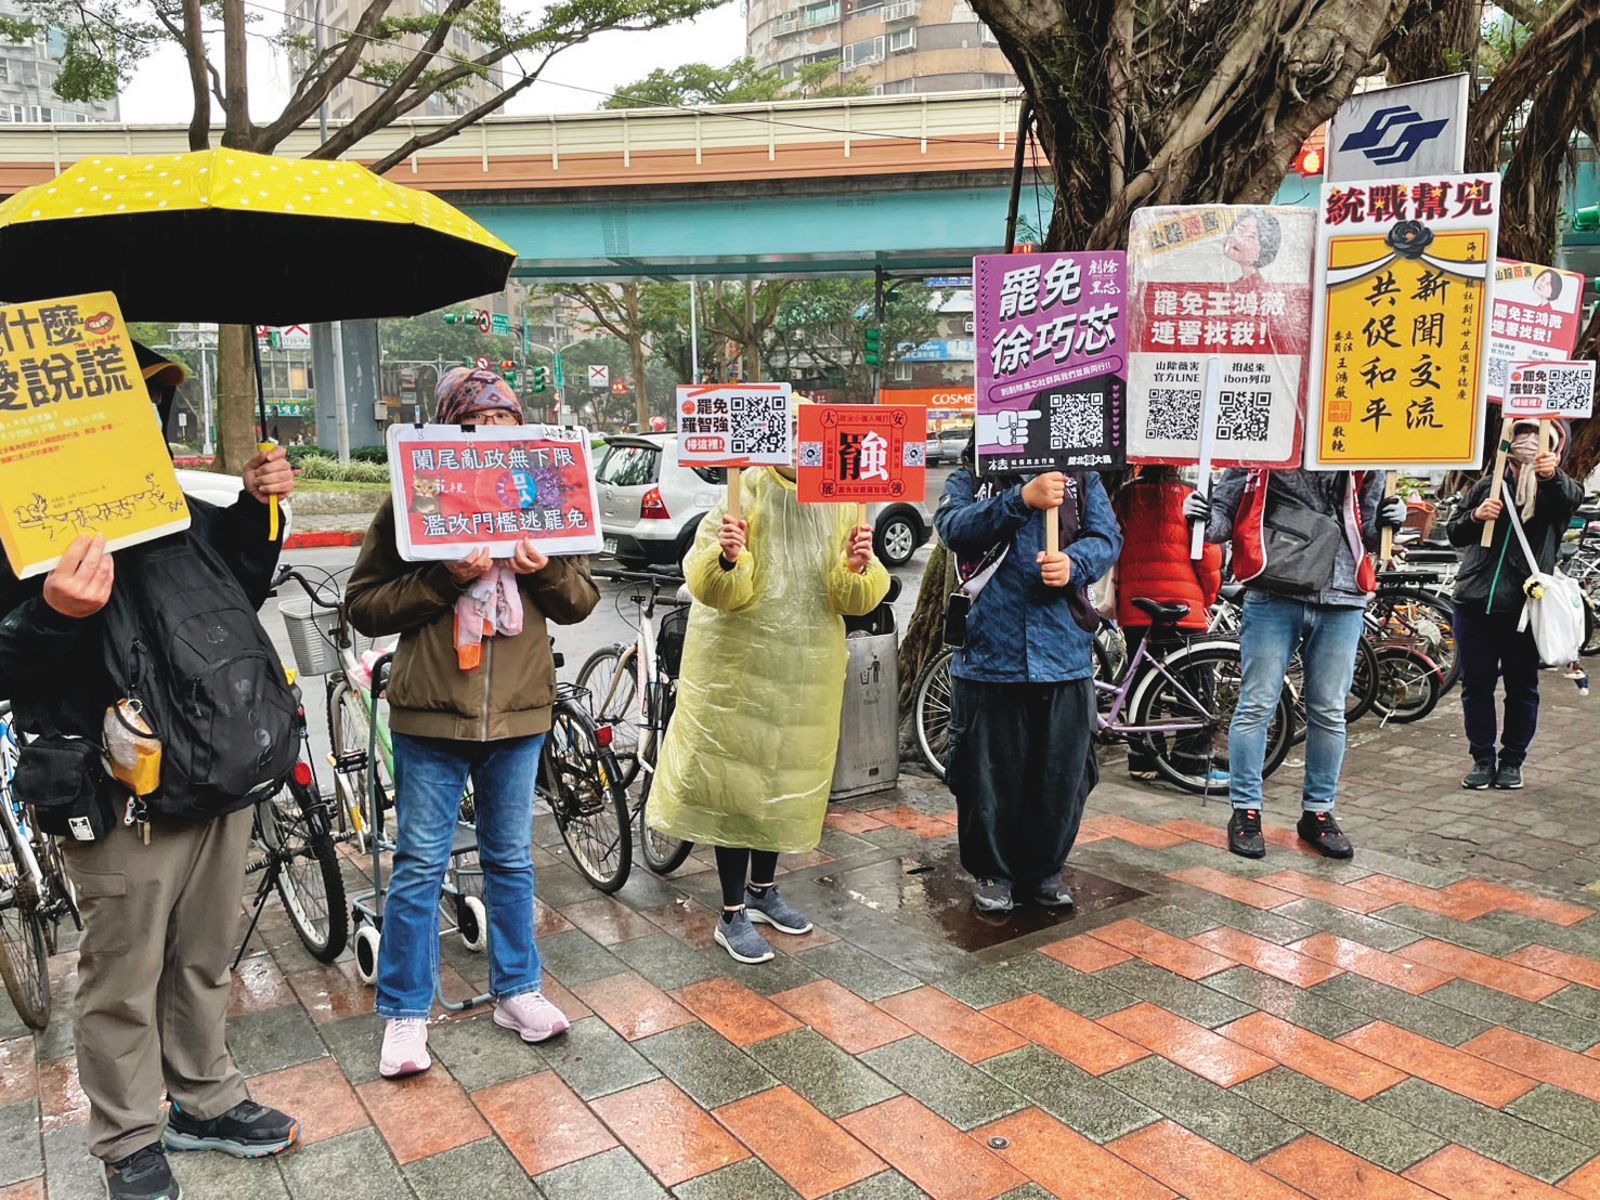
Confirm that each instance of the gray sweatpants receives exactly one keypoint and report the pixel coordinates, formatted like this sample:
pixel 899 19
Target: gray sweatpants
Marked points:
pixel 160 924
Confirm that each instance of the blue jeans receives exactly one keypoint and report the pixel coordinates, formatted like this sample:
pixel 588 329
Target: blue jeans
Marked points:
pixel 1272 630
pixel 430 776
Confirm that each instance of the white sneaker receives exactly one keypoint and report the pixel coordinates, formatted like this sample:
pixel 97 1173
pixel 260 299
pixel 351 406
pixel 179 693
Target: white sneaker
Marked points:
pixel 533 1017
pixel 405 1048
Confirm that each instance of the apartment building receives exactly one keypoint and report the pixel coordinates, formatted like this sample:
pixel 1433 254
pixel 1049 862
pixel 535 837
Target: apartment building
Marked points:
pixel 27 82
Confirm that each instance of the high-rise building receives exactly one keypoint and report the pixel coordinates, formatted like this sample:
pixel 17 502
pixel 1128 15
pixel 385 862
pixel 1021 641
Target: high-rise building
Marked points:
pixel 890 46
pixel 351 95
pixel 27 81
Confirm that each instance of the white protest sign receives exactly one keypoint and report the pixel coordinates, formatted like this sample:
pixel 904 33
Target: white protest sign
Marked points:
pixel 735 425
pixel 1550 389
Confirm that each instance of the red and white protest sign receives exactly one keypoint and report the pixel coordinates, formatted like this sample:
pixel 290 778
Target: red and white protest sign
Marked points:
pixel 458 490
pixel 863 453
pixel 1550 389
pixel 735 425
pixel 1535 316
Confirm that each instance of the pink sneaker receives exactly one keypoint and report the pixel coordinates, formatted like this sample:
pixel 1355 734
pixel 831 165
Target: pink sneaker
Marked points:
pixel 533 1017
pixel 405 1049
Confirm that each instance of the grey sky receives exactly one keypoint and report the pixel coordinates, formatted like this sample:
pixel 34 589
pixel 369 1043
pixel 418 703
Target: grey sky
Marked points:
pixel 160 91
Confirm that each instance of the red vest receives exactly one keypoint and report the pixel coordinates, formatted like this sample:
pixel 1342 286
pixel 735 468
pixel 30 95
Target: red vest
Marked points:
pixel 1155 562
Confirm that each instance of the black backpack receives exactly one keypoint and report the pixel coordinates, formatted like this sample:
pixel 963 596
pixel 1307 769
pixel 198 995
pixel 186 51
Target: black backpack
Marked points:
pixel 182 638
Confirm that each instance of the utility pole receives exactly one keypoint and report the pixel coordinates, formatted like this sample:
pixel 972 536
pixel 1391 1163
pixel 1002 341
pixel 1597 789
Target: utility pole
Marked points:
pixel 341 406
pixel 877 321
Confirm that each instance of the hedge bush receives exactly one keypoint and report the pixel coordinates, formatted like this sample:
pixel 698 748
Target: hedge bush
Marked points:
pixel 325 467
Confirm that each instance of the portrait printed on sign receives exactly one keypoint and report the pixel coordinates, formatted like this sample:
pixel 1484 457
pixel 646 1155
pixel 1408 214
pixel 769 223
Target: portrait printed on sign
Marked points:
pixel 1537 314
pixel 735 425
pixel 1403 287
pixel 862 453
pixel 1051 360
pixel 457 490
pixel 1543 389
pixel 1226 281
pixel 81 446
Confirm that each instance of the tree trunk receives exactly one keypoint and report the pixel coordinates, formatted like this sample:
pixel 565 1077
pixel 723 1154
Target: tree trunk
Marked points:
pixel 750 348
pixel 236 399
pixel 1436 37
pixel 641 401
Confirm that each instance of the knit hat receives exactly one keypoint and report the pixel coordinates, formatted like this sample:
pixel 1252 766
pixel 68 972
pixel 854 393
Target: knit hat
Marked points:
pixel 464 391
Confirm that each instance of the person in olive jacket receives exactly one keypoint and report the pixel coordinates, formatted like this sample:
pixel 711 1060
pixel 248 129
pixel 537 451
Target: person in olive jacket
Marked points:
pixel 470 696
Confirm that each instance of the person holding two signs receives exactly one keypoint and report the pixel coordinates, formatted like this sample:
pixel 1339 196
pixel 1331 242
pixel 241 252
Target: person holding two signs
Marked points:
pixel 747 762
pixel 1489 600
pixel 470 697
pixel 1021 755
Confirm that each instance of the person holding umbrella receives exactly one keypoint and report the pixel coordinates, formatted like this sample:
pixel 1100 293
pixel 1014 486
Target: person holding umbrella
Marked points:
pixel 158 911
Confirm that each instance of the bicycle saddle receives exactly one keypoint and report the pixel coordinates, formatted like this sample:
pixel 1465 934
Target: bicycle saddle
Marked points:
pixel 1161 614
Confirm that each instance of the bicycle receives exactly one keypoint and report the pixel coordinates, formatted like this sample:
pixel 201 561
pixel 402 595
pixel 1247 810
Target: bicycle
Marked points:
pixel 293 836
pixel 1182 696
pixel 636 691
pixel 36 894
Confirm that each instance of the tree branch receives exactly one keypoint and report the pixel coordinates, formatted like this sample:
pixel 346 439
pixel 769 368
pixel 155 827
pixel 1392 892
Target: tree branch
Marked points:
pixel 192 38
pixel 448 130
pixel 309 97
pixel 235 53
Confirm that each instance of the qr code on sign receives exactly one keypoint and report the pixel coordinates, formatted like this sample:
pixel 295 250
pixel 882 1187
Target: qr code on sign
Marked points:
pixel 1243 416
pixel 1571 389
pixel 1077 420
pixel 1174 415
pixel 760 424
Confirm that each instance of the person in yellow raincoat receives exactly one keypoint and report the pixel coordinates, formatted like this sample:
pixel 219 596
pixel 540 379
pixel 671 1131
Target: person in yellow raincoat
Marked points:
pixel 747 761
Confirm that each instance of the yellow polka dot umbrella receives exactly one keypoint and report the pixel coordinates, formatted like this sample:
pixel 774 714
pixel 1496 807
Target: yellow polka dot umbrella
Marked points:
pixel 243 239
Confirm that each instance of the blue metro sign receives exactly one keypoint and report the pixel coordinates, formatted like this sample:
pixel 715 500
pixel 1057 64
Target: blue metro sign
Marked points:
pixel 1394 135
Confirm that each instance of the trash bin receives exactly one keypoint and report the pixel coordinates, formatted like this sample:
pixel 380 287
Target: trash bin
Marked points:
pixel 869 727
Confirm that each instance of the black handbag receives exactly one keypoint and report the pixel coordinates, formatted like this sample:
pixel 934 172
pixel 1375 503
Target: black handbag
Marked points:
pixel 1300 546
pixel 63 780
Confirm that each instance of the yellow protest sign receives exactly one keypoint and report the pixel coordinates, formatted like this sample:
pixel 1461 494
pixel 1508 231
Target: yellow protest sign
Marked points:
pixel 81 449
pixel 1404 274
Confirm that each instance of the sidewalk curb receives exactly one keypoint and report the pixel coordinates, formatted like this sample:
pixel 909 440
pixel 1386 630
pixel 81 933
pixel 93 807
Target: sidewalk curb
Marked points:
pixel 320 539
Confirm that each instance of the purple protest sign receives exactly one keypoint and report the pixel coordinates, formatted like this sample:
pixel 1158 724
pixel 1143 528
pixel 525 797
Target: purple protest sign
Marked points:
pixel 1052 360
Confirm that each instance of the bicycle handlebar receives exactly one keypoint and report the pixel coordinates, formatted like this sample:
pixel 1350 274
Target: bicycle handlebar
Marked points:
pixel 646 575
pixel 312 590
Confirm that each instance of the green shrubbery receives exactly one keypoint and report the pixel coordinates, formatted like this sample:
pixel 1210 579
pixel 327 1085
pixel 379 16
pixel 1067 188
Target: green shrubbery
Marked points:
pixel 326 467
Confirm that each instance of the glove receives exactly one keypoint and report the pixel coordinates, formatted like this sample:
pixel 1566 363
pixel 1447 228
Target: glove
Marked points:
pixel 1392 512
pixel 1197 507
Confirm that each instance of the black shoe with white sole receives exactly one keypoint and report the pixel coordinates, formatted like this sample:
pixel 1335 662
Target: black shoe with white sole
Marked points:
pixel 247 1130
pixel 1480 777
pixel 1508 778
pixel 143 1175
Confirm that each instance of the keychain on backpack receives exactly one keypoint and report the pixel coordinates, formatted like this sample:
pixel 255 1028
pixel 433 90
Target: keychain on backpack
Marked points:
pixel 132 758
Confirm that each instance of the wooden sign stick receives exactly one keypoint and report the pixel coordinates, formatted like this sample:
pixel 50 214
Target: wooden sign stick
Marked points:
pixel 861 516
pixel 1547 437
pixel 1391 486
pixel 1052 530
pixel 1495 486
pixel 735 493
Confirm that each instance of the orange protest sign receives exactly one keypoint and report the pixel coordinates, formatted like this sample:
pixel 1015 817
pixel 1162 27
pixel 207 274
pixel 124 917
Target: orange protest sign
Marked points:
pixel 81 449
pixel 862 453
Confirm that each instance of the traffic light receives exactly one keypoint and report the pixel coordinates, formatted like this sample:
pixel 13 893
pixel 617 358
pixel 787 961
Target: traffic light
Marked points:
pixel 1309 161
pixel 509 370
pixel 452 318
pixel 874 355
pixel 541 378
pixel 619 388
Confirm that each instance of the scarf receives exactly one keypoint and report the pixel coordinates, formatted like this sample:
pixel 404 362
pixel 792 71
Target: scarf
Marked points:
pixel 491 607
pixel 1524 449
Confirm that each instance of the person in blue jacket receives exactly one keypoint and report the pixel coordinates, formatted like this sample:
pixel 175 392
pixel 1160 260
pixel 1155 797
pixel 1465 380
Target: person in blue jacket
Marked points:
pixel 1020 757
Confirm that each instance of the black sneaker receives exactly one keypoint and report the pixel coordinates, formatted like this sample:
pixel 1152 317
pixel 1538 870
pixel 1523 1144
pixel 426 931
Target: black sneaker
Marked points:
pixel 1508 778
pixel 1480 777
pixel 247 1130
pixel 1052 893
pixel 143 1175
pixel 1244 833
pixel 1321 831
pixel 993 896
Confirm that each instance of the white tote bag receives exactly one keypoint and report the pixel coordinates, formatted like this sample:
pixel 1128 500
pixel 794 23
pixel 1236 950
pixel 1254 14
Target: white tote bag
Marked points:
pixel 1554 606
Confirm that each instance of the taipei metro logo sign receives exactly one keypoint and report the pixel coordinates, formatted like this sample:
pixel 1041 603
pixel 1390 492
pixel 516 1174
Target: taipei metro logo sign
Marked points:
pixel 1394 135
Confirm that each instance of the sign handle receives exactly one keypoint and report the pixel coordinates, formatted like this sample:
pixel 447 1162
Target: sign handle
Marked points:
pixel 1547 437
pixel 1391 487
pixel 1499 477
pixel 861 515
pixel 1210 399
pixel 735 493
pixel 1052 530
pixel 266 447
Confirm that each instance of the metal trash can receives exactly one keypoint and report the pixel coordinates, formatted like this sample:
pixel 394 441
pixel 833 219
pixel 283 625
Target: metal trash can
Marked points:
pixel 869 727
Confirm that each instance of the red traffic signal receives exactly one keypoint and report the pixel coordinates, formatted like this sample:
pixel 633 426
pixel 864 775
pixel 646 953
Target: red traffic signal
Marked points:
pixel 507 365
pixel 1309 161
pixel 619 387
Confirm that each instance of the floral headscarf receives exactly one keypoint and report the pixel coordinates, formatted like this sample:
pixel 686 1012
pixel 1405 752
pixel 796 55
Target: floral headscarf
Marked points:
pixel 463 391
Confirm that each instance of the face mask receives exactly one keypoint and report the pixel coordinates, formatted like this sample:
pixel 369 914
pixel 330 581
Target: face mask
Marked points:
pixel 1525 447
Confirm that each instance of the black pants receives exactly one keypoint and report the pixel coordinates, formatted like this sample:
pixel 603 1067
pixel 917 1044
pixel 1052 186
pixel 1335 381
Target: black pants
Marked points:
pixel 1492 649
pixel 1021 764
pixel 735 868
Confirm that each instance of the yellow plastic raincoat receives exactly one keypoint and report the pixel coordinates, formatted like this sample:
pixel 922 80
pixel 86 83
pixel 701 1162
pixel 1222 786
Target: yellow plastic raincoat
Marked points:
pixel 748 758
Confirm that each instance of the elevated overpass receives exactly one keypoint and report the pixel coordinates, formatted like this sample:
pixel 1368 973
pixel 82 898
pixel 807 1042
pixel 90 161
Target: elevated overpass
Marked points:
pixel 908 183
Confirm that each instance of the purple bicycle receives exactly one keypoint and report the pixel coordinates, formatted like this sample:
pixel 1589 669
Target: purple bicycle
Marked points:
pixel 1181 692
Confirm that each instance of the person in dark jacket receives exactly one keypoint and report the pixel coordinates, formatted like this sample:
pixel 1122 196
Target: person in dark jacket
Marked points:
pixel 1021 750
pixel 1322 625
pixel 470 697
pixel 1489 600
pixel 1155 565
pixel 158 916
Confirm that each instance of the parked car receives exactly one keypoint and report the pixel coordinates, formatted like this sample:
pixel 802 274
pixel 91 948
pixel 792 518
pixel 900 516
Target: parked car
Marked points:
pixel 946 445
pixel 651 505
pixel 223 490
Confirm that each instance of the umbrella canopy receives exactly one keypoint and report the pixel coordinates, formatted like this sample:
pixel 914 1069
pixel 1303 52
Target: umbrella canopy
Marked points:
pixel 244 239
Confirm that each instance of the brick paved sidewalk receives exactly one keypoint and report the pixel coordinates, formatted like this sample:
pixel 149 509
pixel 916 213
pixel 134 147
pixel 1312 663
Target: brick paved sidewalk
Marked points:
pixel 1404 1027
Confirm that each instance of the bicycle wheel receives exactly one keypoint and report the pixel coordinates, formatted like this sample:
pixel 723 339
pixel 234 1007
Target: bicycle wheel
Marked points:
pixel 347 735
pixel 662 852
pixel 585 794
pixel 24 959
pixel 296 828
pixel 1425 621
pixel 610 678
pixel 1408 684
pixel 931 701
pixel 1197 687
pixel 1363 683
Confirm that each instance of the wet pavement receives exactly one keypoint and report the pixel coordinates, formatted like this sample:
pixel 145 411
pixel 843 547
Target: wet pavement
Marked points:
pixel 1421 1022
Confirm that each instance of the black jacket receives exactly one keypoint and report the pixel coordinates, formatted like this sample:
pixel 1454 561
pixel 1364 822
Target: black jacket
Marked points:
pixel 1556 500
pixel 52 668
